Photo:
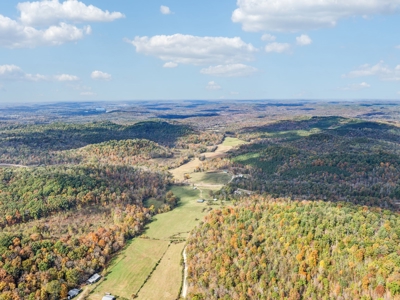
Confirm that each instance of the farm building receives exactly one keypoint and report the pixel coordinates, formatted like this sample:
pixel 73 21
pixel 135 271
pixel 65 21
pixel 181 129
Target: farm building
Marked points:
pixel 93 279
pixel 108 297
pixel 200 201
pixel 73 293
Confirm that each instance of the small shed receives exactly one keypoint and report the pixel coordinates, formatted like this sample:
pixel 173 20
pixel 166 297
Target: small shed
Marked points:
pixel 108 297
pixel 95 277
pixel 73 293
pixel 200 201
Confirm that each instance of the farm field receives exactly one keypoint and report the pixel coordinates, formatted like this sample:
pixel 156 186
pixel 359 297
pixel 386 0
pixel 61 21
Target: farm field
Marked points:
pixel 134 263
pixel 232 142
pixel 166 281
pixel 210 178
pixel 127 275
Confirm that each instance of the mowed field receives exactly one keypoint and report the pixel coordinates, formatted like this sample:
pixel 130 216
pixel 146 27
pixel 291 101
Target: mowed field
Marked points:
pixel 232 142
pixel 131 268
pixel 165 282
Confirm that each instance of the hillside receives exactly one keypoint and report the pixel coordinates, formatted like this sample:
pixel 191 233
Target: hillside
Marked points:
pixel 278 249
pixel 61 224
pixel 47 144
pixel 330 158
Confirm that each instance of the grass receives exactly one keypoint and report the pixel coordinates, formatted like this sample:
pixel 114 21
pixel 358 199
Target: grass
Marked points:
pixel 149 202
pixel 166 281
pixel 131 268
pixel 210 178
pixel 233 142
pixel 180 220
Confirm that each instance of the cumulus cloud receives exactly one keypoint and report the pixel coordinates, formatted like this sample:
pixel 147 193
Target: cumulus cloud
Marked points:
pixel 290 15
pixel 195 50
pixel 268 37
pixel 170 64
pixel 233 70
pixel 277 47
pixel 213 86
pixel 66 77
pixel 52 11
pixel 303 40
pixel 16 35
pixel 45 23
pixel 165 10
pixel 13 72
pixel 380 70
pixel 99 75
pixel 356 86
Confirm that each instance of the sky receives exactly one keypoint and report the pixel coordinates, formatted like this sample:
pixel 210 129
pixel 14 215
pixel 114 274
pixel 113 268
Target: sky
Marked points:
pixel 94 50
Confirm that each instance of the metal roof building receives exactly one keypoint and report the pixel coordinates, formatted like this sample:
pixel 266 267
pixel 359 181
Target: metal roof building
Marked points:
pixel 96 277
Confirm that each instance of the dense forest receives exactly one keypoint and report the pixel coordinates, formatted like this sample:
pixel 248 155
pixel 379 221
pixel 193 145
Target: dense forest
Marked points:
pixel 282 249
pixel 43 261
pixel 37 266
pixel 328 158
pixel 49 144
pixel 28 193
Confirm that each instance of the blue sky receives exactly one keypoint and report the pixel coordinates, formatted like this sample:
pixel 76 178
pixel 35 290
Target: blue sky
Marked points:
pixel 247 49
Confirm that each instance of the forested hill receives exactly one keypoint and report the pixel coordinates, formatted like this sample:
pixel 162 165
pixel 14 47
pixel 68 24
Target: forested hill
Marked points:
pixel 33 193
pixel 327 158
pixel 36 144
pixel 279 249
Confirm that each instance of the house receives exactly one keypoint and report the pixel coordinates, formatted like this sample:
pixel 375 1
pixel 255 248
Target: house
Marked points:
pixel 200 201
pixel 108 297
pixel 95 277
pixel 73 293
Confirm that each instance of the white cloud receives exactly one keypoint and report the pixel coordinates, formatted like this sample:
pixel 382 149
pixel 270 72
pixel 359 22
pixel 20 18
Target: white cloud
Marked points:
pixel 397 47
pixel 16 35
pixel 233 70
pixel 66 77
pixel 381 70
pixel 49 12
pixel 189 49
pixel 213 86
pixel 268 37
pixel 98 75
pixel 303 40
pixel 170 64
pixel 165 10
pixel 356 87
pixel 13 72
pixel 277 47
pixel 45 23
pixel 296 15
